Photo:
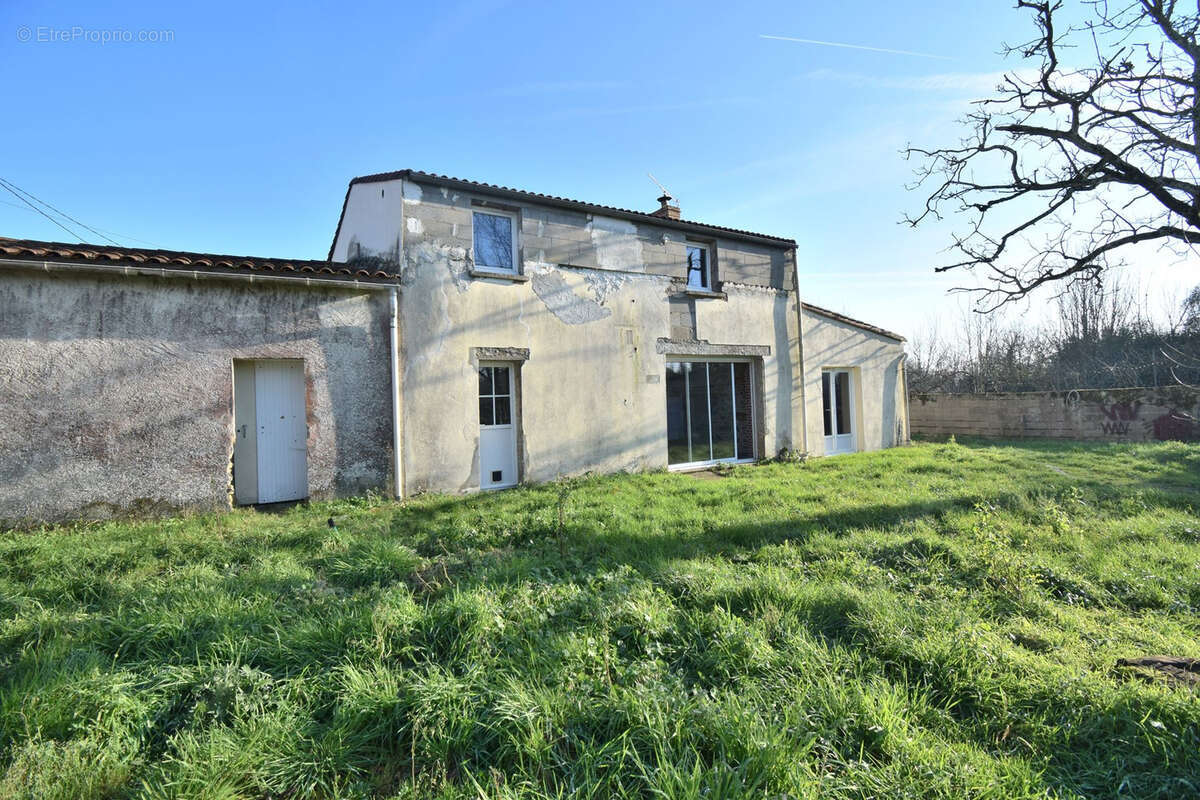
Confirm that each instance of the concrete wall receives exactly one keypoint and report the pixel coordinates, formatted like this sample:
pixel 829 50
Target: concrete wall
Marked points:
pixel 875 362
pixel 549 236
pixel 1120 415
pixel 116 391
pixel 593 304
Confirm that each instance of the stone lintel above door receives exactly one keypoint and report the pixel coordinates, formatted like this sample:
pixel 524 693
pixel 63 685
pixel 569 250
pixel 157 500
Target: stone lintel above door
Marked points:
pixel 678 347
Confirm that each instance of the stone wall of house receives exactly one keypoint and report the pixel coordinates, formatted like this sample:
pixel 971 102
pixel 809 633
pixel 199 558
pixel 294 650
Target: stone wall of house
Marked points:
pixel 599 307
pixel 1118 415
pixel 116 391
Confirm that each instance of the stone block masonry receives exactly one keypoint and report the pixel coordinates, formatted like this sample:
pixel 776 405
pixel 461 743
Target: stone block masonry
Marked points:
pixel 1119 415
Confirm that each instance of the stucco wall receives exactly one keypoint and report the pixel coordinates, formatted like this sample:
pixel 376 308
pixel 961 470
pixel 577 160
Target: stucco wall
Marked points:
pixel 1117 415
pixel 593 306
pixel 116 391
pixel 370 229
pixel 875 361
pixel 755 315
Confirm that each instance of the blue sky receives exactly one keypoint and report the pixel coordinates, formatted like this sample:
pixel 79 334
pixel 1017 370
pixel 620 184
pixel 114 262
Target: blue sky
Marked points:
pixel 240 134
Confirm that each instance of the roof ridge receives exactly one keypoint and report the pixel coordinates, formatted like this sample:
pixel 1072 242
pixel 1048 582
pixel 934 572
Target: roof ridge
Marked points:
pixel 99 248
pixel 559 200
pixel 858 323
pixel 31 249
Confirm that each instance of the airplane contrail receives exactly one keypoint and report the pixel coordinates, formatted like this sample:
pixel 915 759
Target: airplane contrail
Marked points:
pixel 855 47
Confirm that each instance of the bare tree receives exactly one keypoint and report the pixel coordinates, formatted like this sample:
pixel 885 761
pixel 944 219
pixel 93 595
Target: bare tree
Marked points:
pixel 1099 338
pixel 979 338
pixel 1089 312
pixel 1182 359
pixel 1191 311
pixel 1068 167
pixel 932 361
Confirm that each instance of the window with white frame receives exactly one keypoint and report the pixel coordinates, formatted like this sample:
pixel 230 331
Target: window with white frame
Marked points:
pixel 495 240
pixel 699 266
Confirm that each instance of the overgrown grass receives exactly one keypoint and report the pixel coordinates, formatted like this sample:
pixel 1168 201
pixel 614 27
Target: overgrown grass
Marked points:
pixel 936 621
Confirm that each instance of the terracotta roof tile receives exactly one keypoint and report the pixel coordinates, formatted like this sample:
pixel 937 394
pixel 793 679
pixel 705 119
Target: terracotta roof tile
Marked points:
pixel 32 250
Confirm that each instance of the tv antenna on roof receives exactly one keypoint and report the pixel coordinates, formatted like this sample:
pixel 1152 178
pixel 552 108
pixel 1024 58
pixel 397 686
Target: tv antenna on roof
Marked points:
pixel 665 192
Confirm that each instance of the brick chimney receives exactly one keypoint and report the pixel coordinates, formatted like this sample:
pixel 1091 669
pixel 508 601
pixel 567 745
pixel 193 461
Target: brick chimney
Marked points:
pixel 665 209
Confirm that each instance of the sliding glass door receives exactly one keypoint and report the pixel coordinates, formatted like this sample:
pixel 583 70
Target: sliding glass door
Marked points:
pixel 710 412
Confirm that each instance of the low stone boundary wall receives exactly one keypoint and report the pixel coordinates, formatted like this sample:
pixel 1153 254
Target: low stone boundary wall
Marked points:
pixel 1125 415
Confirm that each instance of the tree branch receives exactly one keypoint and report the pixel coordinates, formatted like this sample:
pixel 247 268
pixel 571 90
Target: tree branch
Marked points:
pixel 1087 162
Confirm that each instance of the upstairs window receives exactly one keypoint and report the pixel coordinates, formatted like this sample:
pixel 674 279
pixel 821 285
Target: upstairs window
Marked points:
pixel 699 266
pixel 495 240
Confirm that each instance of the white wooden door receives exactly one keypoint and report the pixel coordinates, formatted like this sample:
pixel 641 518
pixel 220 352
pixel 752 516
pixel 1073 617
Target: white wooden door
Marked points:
pixel 837 398
pixel 497 426
pixel 245 435
pixel 282 431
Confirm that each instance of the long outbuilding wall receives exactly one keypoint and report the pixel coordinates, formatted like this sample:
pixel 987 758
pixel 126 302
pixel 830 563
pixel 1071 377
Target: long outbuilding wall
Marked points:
pixel 1120 415
pixel 116 391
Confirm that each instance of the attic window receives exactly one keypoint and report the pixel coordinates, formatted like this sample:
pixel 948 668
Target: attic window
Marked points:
pixel 699 266
pixel 495 240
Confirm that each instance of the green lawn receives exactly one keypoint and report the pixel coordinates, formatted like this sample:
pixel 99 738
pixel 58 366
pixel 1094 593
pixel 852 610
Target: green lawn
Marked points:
pixel 934 621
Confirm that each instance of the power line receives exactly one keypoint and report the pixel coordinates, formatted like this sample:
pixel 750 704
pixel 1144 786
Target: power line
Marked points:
pixel 25 207
pixel 38 210
pixel 11 186
pixel 130 238
pixel 98 231
pixel 15 205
